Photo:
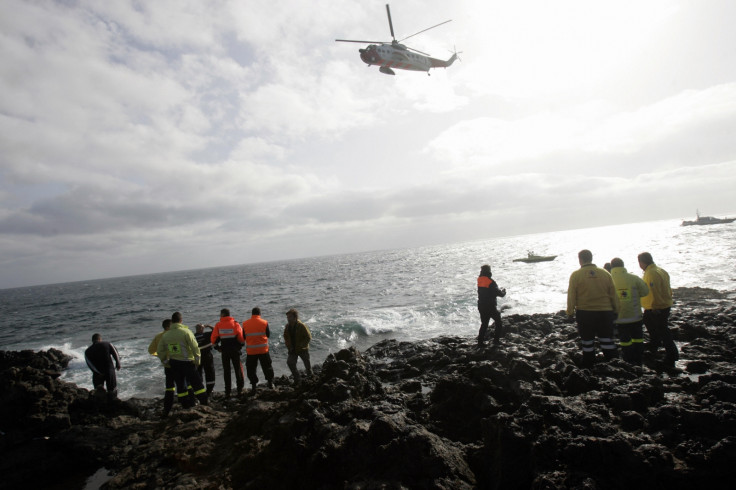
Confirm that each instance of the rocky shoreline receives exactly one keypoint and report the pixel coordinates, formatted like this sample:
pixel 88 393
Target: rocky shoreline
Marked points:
pixel 439 413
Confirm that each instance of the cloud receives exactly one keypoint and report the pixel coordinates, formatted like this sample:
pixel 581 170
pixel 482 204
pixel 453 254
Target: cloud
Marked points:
pixel 598 133
pixel 142 131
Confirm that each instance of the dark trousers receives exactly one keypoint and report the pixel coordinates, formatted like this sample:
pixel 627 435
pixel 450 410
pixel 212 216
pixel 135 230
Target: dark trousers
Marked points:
pixel 170 389
pixel 251 364
pixel 291 362
pixel 232 357
pixel 208 366
pixel 109 379
pixel 657 323
pixel 631 340
pixel 186 371
pixel 486 314
pixel 592 324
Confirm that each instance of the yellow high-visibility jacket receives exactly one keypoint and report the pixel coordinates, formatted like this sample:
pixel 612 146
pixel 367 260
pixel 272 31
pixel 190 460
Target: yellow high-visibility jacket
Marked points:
pixel 178 343
pixel 591 289
pixel 660 292
pixel 630 289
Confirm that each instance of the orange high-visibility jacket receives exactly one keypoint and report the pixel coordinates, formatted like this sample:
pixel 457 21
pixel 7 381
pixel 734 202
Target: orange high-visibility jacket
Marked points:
pixel 255 331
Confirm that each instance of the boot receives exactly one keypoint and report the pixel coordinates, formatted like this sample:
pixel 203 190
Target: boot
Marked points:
pixel 188 401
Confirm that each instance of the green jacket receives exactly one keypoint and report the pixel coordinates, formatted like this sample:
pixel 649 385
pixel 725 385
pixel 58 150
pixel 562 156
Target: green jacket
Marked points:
pixel 301 337
pixel 178 343
pixel 630 289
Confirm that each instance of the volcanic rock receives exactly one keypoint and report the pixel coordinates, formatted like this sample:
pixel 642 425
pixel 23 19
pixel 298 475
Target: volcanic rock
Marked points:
pixel 438 413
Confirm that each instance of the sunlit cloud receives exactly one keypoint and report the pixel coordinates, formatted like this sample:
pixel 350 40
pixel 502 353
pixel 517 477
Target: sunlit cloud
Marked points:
pixel 123 124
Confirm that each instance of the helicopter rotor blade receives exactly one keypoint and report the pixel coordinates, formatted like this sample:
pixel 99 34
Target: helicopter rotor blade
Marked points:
pixel 417 51
pixel 390 24
pixel 364 42
pixel 425 30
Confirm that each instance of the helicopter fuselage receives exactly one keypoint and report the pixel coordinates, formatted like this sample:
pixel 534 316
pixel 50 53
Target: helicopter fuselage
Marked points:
pixel 396 55
pixel 389 56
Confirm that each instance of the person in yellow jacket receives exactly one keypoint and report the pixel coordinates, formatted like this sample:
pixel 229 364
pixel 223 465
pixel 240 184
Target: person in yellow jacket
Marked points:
pixel 168 373
pixel 178 350
pixel 256 333
pixel 657 306
pixel 591 298
pixel 630 289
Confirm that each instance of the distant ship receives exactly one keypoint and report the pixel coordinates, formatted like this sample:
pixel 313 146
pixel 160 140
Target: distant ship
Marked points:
pixel 531 257
pixel 707 220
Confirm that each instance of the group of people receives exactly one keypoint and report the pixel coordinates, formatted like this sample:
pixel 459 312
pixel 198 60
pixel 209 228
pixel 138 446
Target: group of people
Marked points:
pixel 187 356
pixel 601 300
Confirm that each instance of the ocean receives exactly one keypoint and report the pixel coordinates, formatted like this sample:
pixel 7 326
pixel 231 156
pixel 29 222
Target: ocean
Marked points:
pixel 346 300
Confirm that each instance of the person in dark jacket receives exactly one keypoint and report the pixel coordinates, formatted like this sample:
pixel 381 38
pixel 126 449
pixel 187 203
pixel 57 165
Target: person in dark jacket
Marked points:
pixel 99 357
pixel 297 337
pixel 204 341
pixel 488 291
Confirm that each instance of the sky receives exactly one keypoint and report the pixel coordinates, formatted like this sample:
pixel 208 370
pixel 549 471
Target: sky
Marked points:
pixel 140 137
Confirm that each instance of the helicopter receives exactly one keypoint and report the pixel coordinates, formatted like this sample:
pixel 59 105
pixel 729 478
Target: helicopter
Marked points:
pixel 387 55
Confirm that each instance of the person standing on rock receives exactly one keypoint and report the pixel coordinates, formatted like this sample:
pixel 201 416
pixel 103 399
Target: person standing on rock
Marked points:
pixel 169 386
pixel 99 357
pixel 204 342
pixel 178 349
pixel 488 291
pixel 592 299
pixel 229 333
pixel 630 289
pixel 657 306
pixel 256 333
pixel 297 337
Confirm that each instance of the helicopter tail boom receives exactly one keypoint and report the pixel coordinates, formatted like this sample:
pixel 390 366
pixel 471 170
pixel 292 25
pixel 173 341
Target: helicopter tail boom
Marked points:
pixel 442 63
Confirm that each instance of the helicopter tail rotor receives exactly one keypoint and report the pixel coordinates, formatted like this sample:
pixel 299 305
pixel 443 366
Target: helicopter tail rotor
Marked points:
pixel 456 53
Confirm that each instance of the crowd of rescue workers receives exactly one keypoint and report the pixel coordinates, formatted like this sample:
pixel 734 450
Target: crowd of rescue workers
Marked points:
pixel 606 303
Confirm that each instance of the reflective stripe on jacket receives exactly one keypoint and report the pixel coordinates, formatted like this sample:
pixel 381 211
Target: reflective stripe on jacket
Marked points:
pixel 229 332
pixel 255 331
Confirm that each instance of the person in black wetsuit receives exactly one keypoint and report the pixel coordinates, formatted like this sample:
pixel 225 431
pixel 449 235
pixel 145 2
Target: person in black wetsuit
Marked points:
pixel 207 363
pixel 99 357
pixel 488 291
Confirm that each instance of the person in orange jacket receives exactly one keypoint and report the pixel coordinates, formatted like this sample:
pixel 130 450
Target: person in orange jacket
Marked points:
pixel 227 337
pixel 256 333
pixel 488 291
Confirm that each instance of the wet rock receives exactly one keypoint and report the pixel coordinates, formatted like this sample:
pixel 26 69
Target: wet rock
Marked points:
pixel 439 413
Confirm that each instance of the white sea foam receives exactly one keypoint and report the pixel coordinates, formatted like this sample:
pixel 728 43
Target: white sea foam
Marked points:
pixel 346 300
